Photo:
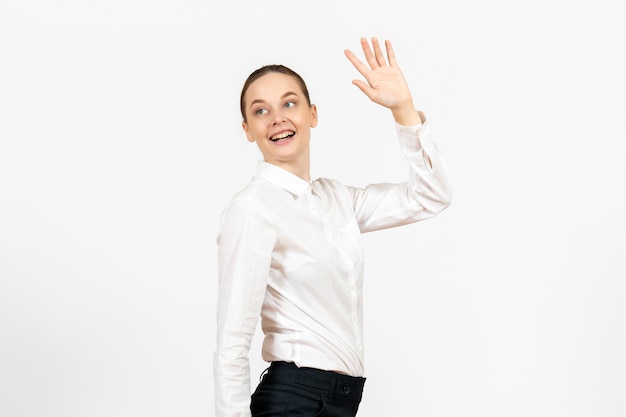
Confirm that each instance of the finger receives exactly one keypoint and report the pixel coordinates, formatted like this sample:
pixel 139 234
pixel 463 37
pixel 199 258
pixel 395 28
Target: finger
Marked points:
pixel 369 56
pixel 380 58
pixel 391 55
pixel 360 66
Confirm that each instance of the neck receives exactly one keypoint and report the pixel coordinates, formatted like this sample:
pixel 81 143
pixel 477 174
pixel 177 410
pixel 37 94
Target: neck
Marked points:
pixel 300 167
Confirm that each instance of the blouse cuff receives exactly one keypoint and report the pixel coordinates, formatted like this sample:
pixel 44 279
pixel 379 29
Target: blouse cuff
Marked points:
pixel 414 138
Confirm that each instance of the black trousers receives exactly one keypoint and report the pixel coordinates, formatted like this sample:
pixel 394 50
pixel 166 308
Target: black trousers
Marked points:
pixel 288 391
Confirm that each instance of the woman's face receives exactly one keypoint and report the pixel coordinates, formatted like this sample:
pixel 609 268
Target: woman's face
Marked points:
pixel 279 119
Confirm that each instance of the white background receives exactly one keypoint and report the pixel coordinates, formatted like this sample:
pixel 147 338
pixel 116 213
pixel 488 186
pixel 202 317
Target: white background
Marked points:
pixel 120 142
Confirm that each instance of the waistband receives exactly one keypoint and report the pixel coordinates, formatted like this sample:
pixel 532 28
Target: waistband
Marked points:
pixel 336 385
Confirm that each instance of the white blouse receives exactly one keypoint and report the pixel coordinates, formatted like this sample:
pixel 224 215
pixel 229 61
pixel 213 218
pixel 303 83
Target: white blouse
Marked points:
pixel 290 252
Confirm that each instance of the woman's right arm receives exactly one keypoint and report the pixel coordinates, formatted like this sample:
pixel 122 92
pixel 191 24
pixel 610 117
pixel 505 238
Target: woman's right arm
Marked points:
pixel 245 242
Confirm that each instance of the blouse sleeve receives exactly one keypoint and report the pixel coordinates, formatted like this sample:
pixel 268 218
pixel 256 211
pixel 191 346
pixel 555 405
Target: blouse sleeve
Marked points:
pixel 426 193
pixel 245 242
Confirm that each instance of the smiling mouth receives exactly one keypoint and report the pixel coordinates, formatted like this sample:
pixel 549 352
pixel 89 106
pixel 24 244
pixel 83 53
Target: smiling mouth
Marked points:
pixel 282 136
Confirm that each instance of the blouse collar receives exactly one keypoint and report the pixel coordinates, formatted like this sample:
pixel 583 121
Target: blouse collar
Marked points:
pixel 282 178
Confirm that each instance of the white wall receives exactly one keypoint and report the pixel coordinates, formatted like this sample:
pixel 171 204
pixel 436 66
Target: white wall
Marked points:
pixel 120 142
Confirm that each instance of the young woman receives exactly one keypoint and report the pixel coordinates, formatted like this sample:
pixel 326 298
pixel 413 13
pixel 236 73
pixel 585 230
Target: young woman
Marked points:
pixel 289 247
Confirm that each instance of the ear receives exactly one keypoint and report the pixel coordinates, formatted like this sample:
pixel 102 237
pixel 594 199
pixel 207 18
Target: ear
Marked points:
pixel 244 125
pixel 313 115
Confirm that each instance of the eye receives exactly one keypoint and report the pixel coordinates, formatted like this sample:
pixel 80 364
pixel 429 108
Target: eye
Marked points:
pixel 260 112
pixel 290 104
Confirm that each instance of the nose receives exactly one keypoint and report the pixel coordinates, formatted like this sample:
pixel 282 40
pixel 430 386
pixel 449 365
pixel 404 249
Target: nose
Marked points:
pixel 278 116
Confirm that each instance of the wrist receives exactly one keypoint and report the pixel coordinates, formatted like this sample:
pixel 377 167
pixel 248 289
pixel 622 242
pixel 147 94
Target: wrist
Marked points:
pixel 407 115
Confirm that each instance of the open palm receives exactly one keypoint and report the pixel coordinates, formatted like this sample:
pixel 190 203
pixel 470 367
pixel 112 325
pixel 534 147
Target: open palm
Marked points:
pixel 385 84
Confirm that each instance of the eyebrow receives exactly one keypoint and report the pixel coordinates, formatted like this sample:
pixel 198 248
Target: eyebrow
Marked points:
pixel 287 94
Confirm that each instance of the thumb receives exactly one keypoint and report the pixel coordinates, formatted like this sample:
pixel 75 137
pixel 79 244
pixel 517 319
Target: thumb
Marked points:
pixel 363 86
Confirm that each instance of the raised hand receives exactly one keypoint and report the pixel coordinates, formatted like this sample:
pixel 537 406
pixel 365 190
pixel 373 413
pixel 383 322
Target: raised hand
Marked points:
pixel 385 84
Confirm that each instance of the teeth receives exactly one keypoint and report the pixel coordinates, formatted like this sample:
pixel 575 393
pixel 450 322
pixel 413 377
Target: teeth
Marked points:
pixel 282 135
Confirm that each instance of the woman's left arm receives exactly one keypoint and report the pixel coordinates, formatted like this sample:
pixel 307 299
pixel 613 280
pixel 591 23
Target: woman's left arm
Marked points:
pixel 427 191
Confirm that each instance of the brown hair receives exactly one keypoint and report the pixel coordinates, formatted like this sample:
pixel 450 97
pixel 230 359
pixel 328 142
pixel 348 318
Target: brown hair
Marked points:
pixel 255 75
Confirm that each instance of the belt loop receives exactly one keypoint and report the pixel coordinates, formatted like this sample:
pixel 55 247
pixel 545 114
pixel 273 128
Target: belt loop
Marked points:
pixel 333 388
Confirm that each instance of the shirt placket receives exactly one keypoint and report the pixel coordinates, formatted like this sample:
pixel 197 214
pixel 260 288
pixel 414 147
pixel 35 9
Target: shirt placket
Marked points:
pixel 353 295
